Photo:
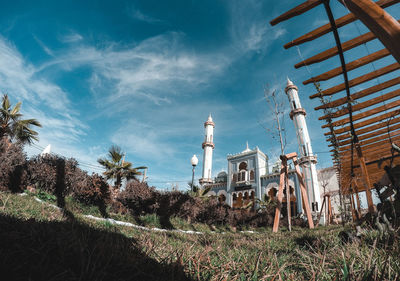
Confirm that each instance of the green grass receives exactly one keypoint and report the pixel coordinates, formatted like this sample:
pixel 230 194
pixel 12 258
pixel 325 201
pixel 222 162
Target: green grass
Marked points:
pixel 103 250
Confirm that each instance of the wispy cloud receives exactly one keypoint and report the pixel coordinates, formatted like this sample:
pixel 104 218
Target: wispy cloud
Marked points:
pixel 44 47
pixel 41 99
pixel 71 37
pixel 138 15
pixel 250 30
pixel 155 69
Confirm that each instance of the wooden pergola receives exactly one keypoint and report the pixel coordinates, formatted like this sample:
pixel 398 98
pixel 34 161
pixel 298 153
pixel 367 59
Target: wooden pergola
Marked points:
pixel 364 126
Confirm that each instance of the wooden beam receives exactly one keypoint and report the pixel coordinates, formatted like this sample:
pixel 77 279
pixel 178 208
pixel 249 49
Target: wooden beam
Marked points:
pixel 359 80
pixel 361 94
pixel 370 135
pixel 364 114
pixel 370 148
pixel 383 25
pixel 350 66
pixel 316 33
pixel 348 45
pixel 372 140
pixel 296 11
pixel 366 122
pixel 362 105
pixel 370 159
pixel 369 129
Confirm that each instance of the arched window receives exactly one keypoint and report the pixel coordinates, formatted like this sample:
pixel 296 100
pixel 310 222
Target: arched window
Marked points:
pixel 252 175
pixel 243 166
pixel 221 198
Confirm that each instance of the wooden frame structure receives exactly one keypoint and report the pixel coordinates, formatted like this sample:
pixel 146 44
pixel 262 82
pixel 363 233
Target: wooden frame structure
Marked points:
pixel 283 181
pixel 362 142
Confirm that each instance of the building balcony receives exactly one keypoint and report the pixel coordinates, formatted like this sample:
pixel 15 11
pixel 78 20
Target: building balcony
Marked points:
pixel 243 178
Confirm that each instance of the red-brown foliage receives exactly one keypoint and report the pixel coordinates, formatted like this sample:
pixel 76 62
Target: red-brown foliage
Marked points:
pixel 91 190
pixel 138 197
pixel 12 167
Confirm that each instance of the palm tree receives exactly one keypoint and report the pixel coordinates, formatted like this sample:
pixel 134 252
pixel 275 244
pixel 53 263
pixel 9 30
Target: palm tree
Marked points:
pixel 117 168
pixel 12 126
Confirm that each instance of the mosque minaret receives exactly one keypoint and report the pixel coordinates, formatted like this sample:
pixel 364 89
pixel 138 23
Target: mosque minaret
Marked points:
pixel 307 160
pixel 208 146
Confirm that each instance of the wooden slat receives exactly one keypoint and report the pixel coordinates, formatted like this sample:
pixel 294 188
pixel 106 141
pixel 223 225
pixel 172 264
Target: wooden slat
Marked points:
pixel 296 11
pixel 386 28
pixel 346 165
pixel 365 114
pixel 368 129
pixel 370 135
pixel 362 105
pixel 361 94
pixel 372 140
pixel 350 66
pixel 348 45
pixel 334 51
pixel 369 148
pixel 375 168
pixel 370 159
pixel 340 22
pixel 366 122
pixel 359 80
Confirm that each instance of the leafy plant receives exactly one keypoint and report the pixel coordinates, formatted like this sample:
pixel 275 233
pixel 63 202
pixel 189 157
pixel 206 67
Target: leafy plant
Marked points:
pixel 12 126
pixel 117 168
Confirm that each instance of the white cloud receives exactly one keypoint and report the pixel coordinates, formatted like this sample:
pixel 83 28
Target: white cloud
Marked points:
pixel 155 69
pixel 138 15
pixel 41 99
pixel 71 38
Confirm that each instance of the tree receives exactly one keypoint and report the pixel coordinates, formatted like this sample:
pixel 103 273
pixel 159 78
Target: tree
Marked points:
pixel 117 168
pixel 277 108
pixel 12 126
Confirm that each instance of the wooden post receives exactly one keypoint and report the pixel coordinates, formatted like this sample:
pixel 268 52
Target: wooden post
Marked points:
pixel 289 213
pixel 364 172
pixel 330 213
pixel 280 195
pixel 303 190
pixel 320 212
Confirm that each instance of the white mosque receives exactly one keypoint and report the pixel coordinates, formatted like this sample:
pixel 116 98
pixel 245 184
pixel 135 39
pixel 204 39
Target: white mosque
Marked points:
pixel 248 176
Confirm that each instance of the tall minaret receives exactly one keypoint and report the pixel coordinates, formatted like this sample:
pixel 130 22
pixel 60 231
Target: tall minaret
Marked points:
pixel 307 160
pixel 208 147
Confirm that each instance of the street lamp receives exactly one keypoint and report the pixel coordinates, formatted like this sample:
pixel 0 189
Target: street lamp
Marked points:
pixel 194 162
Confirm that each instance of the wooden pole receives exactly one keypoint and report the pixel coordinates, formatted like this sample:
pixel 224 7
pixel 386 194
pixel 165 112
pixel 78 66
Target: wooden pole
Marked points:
pixel 367 183
pixel 320 212
pixel 330 213
pixel 280 195
pixel 303 190
pixel 289 214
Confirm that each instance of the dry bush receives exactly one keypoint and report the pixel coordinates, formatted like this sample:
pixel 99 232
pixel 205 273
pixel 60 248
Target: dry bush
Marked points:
pixel 12 167
pixel 53 173
pixel 138 197
pixel 91 190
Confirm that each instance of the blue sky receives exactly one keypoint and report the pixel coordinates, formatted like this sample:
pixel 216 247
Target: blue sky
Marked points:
pixel 145 75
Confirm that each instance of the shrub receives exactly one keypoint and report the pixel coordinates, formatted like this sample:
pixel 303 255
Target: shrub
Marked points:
pixel 53 173
pixel 139 198
pixel 91 190
pixel 12 167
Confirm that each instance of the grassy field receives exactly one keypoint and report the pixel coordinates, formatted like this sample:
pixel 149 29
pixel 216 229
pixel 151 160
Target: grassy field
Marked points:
pixel 39 242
